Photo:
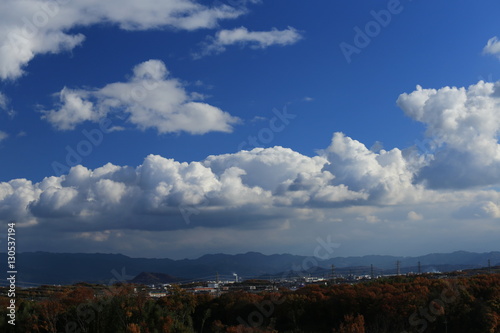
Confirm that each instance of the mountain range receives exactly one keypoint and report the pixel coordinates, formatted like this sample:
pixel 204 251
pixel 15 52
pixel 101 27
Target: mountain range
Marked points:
pixel 37 268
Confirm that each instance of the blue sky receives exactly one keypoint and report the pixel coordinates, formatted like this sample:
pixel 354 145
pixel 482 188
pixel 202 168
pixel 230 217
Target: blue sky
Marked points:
pixel 179 81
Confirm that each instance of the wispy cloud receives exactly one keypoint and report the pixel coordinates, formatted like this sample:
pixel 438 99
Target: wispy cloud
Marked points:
pixel 5 105
pixel 3 136
pixel 3 101
pixel 253 39
pixel 414 216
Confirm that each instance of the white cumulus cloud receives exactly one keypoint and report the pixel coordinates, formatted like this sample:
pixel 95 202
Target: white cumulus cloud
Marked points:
pixel 385 176
pixel 493 47
pixel 479 210
pixel 151 98
pixel 463 126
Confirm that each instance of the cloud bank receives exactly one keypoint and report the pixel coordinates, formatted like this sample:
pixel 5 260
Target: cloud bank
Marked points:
pixel 272 198
pixel 261 178
pixel 271 182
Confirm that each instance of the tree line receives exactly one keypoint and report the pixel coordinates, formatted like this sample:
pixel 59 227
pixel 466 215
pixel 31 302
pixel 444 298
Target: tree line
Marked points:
pixel 397 304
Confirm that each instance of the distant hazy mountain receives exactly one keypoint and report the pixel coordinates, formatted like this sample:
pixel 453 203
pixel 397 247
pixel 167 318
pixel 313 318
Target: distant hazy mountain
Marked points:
pixel 388 262
pixel 67 268
pixel 154 278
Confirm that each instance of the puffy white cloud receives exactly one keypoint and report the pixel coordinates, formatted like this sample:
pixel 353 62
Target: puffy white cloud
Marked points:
pixel 255 39
pixel 267 167
pixel 108 190
pixel 293 178
pixel 73 111
pixel 150 99
pixel 493 47
pixel 32 27
pixel 479 210
pixel 15 196
pixel 414 216
pixel 463 127
pixel 385 176
pixel 55 202
pixel 17 49
pixel 465 119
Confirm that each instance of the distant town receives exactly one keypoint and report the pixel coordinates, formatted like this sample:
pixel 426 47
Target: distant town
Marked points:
pixel 460 301
pixel 155 285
